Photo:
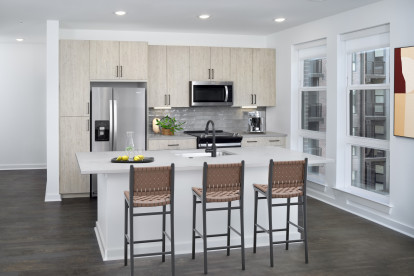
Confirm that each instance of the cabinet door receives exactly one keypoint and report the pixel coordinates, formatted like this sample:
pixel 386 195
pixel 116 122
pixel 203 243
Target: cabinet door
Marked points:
pixel 264 76
pixel 220 64
pixel 133 59
pixel 157 75
pixel 104 60
pixel 74 137
pixel 74 78
pixel 200 64
pixel 178 75
pixel 241 74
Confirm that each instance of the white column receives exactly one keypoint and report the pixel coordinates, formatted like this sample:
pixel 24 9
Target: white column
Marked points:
pixel 52 110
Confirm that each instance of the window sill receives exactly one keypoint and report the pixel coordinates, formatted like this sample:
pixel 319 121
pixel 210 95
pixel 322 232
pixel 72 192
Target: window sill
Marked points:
pixel 369 203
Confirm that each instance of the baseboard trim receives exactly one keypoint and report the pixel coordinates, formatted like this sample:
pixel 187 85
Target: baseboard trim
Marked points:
pixel 7 167
pixel 52 197
pixel 75 195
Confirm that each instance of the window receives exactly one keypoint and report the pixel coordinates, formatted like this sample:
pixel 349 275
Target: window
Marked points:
pixel 312 101
pixel 368 105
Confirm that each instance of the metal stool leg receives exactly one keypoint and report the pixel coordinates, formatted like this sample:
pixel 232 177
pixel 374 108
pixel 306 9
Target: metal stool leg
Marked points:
pixel 163 232
pixel 125 234
pixel 255 221
pixel 172 240
pixel 287 222
pixel 242 232
pixel 194 225
pixel 228 226
pixel 131 237
pixel 205 236
pixel 269 207
pixel 305 230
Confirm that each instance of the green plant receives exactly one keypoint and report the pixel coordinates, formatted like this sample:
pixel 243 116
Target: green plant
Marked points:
pixel 170 123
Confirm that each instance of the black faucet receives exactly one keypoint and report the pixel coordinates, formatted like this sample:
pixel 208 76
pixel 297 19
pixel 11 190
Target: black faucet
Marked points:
pixel 213 148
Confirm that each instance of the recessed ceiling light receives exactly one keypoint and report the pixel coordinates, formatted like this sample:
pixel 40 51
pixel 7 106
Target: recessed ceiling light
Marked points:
pixel 280 19
pixel 19 39
pixel 120 13
pixel 204 16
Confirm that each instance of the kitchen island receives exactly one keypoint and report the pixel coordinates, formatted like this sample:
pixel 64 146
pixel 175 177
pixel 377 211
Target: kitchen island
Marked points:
pixel 113 180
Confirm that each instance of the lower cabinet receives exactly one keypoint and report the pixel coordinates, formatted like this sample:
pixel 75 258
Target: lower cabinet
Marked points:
pixel 263 141
pixel 74 137
pixel 173 144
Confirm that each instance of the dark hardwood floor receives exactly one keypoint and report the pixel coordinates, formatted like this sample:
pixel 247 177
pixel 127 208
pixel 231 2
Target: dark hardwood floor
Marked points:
pixel 57 238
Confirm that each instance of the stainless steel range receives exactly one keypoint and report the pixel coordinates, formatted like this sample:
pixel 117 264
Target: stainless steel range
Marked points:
pixel 223 139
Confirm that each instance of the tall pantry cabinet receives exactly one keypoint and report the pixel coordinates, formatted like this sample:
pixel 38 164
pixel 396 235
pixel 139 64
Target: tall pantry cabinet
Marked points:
pixel 74 109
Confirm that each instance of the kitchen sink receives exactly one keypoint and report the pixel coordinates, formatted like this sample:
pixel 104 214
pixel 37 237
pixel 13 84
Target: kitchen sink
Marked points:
pixel 203 154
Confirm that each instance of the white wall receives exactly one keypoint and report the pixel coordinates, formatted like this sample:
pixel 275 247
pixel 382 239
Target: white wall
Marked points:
pixel 22 106
pixel 396 214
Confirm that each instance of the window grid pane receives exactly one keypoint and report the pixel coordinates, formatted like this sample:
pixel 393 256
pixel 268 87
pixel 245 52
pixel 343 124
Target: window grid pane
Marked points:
pixel 370 169
pixel 314 72
pixel 313 111
pixel 369 113
pixel 370 67
pixel 315 147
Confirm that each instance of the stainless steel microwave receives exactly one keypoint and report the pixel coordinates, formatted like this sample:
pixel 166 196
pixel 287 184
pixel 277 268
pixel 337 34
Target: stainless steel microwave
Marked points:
pixel 211 93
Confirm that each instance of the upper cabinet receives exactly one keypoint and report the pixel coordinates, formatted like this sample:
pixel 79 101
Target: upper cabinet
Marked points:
pixel 74 78
pixel 209 63
pixel 264 77
pixel 114 60
pixel 168 76
pixel 242 76
pixel 253 72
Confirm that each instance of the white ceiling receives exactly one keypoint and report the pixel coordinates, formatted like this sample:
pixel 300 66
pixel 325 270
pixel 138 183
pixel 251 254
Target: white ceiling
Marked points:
pixel 27 18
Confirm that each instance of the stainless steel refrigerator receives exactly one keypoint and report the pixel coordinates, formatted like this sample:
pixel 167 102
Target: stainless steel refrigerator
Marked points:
pixel 116 111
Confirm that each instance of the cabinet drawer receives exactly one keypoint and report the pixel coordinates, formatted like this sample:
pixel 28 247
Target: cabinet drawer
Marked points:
pixel 263 141
pixel 172 144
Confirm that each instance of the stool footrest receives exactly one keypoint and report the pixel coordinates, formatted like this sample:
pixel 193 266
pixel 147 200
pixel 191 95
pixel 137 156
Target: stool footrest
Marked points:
pixel 223 247
pixel 151 214
pixel 264 230
pixel 222 208
pixel 143 241
pixel 297 226
pixel 235 231
pixel 290 241
pixel 211 236
pixel 152 254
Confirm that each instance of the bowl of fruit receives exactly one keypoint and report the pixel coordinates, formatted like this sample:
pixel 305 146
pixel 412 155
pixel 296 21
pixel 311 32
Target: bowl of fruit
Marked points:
pixel 136 159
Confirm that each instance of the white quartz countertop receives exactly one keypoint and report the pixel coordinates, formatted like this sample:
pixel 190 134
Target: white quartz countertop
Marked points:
pixel 100 162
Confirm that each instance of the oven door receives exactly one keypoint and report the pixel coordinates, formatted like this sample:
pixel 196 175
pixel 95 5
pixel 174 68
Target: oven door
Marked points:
pixel 209 93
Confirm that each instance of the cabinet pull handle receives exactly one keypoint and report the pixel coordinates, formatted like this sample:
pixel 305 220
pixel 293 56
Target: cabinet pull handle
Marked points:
pixel 212 70
pixel 88 108
pixel 165 99
pixel 173 145
pixel 121 70
pixel 252 99
pixel 209 74
pixel 87 126
pixel 117 71
pixel 169 99
pixel 255 99
pixel 274 141
pixel 251 141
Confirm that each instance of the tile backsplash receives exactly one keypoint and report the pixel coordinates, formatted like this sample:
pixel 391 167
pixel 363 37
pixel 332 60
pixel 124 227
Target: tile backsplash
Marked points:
pixel 230 119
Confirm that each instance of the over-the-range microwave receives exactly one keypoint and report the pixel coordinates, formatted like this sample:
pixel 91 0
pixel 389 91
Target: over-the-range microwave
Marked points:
pixel 211 93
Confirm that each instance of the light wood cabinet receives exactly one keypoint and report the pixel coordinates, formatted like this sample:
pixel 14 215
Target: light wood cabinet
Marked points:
pixel 253 72
pixel 74 137
pixel 209 63
pixel 114 60
pixel 178 76
pixel 264 77
pixel 242 75
pixel 172 144
pixel 263 141
pixel 74 78
pixel 168 76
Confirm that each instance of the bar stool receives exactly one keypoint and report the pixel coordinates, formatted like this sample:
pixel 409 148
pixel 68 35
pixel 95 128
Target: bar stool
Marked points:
pixel 286 180
pixel 221 183
pixel 149 187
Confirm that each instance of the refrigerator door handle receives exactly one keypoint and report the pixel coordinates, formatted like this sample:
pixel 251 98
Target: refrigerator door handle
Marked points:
pixel 115 124
pixel 111 125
